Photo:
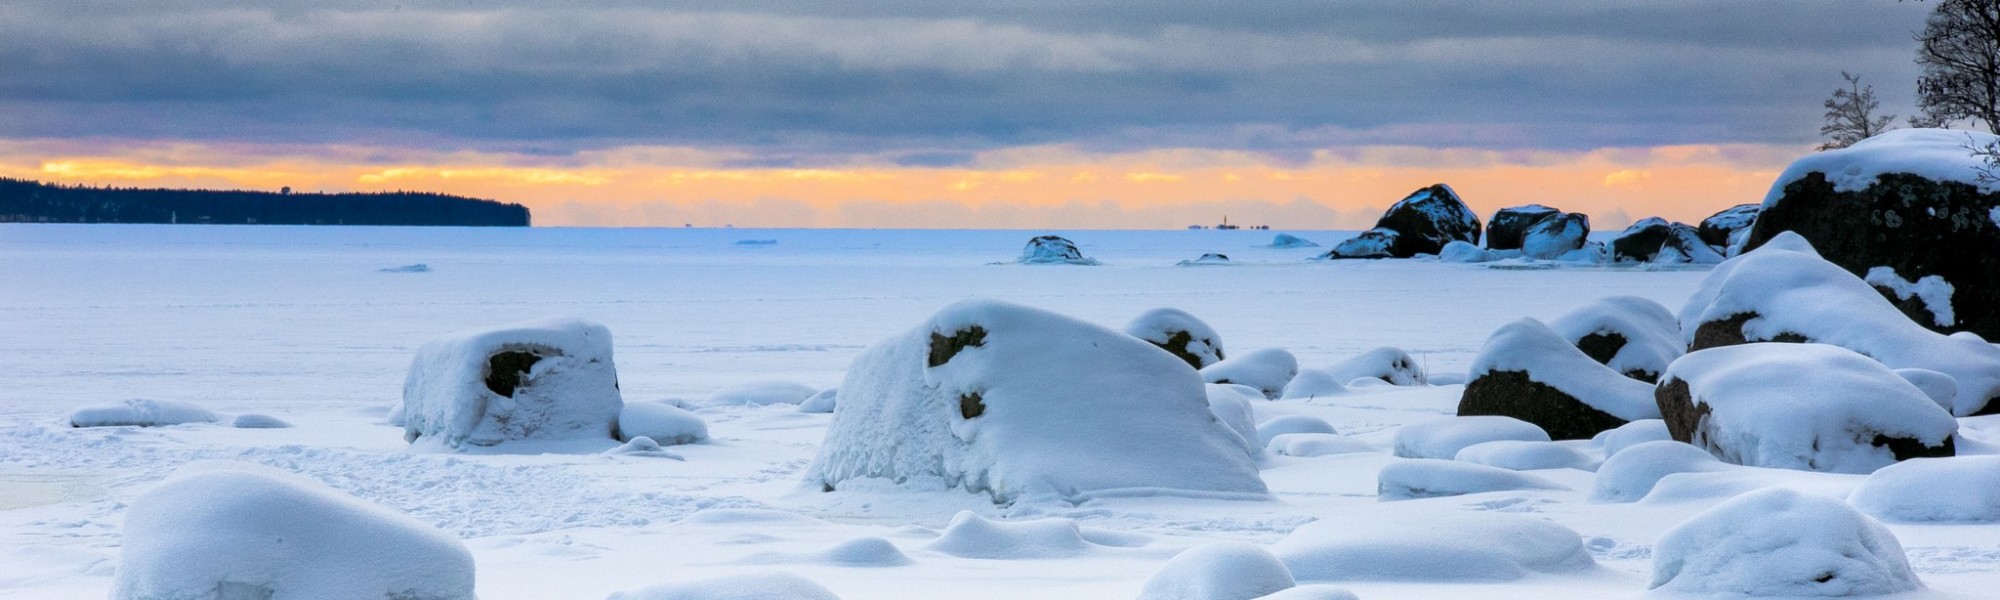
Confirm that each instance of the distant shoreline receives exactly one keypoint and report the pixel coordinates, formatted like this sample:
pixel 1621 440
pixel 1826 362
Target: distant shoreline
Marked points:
pixel 25 201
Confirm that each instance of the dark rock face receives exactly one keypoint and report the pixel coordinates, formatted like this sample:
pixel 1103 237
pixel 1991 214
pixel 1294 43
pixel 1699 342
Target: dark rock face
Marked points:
pixel 1177 345
pixel 1715 229
pixel 1914 225
pixel 943 348
pixel 1509 224
pixel 1646 239
pixel 1729 332
pixel 1687 420
pixel 506 369
pixel 1555 235
pixel 1427 220
pixel 1373 243
pixel 1513 394
pixel 1604 346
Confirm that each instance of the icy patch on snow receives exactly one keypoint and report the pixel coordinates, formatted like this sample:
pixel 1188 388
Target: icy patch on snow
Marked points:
pixel 548 380
pixel 1219 571
pixel 1433 478
pixel 1447 546
pixel 1780 542
pixel 749 586
pixel 1526 456
pixel 1443 438
pixel 1934 154
pixel 972 536
pixel 1932 290
pixel 140 412
pixel 761 393
pixel 234 530
pixel 1268 370
pixel 1959 489
pixel 1630 475
pixel 1315 444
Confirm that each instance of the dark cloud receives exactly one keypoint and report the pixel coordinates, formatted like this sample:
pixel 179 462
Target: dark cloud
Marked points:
pixel 930 82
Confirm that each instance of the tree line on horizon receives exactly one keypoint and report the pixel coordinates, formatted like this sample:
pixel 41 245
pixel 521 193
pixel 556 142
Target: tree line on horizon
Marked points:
pixel 25 201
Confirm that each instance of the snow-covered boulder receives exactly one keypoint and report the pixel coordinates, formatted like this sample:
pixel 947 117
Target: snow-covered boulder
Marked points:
pixel 1231 405
pixel 821 402
pixel 1657 240
pixel 1443 438
pixel 1373 243
pixel 1528 372
pixel 1960 489
pixel 1208 259
pixel 1285 241
pixel 667 424
pixel 548 380
pixel 1632 434
pixel 1516 455
pixel 1442 546
pixel 1421 223
pixel 1510 225
pixel 1433 478
pixel 1632 335
pixel 258 421
pixel 1557 236
pixel 1219 571
pixel 1386 363
pixel 1719 227
pixel 761 393
pixel 1631 473
pixel 1273 428
pixel 775 585
pixel 972 536
pixel 1268 370
pixel 1314 383
pixel 140 412
pixel 1783 543
pixel 236 531
pixel 1180 334
pixel 1811 407
pixel 1785 292
pixel 1315 444
pixel 1460 251
pixel 1015 402
pixel 1053 250
pixel 1908 201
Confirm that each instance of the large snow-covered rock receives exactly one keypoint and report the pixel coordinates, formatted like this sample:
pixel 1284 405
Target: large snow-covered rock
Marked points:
pixel 1632 335
pixel 747 586
pixel 1433 478
pixel 1268 370
pixel 548 380
pixel 1442 546
pixel 1785 292
pixel 1510 225
pixel 140 412
pixel 1657 240
pixel 1528 372
pixel 1053 250
pixel 1908 201
pixel 1631 473
pixel 1960 489
pixel 1443 438
pixel 1386 363
pixel 1421 223
pixel 1719 227
pixel 1219 571
pixel 1015 402
pixel 1556 237
pixel 1784 543
pixel 1811 407
pixel 235 531
pixel 1180 334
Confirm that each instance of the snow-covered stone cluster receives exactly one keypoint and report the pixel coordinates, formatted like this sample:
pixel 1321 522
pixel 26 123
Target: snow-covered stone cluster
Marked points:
pixel 1421 223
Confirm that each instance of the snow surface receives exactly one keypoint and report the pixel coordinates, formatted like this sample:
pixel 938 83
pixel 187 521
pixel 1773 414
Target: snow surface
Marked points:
pixel 1652 334
pixel 570 393
pixel 1957 489
pixel 1451 546
pixel 140 412
pixel 1795 291
pixel 296 322
pixel 1941 388
pixel 236 531
pixel 1433 478
pixel 257 421
pixel 1529 346
pixel 1781 542
pixel 1270 430
pixel 750 586
pixel 1517 455
pixel 1443 438
pixel 1934 154
pixel 1632 434
pixel 1219 571
pixel 1268 370
pixel 1315 444
pixel 1804 406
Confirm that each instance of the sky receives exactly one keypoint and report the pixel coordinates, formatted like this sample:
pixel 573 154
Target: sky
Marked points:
pixel 1299 114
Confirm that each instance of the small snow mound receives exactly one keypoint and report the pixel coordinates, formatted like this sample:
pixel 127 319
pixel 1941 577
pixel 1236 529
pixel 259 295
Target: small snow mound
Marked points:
pixel 1960 489
pixel 1526 456
pixel 1446 546
pixel 1287 241
pixel 972 536
pixel 1219 571
pixel 1941 388
pixel 865 552
pixel 1315 444
pixel 1268 370
pixel 140 412
pixel 642 446
pixel 750 586
pixel 1780 542
pixel 761 393
pixel 1208 260
pixel 234 530
pixel 1179 333
pixel 1460 251
pixel 1273 428
pixel 257 421
pixel 823 401
pixel 1053 250
pixel 1393 365
pixel 1631 474
pixel 1632 434
pixel 1443 438
pixel 664 423
pixel 546 380
pixel 1433 478
pixel 1313 383
pixel 415 268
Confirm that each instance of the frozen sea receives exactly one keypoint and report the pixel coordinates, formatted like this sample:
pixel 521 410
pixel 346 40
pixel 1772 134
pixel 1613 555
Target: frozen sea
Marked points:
pixel 316 325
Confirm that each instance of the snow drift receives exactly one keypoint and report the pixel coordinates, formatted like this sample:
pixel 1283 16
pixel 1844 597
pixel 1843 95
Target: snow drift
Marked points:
pixel 140 412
